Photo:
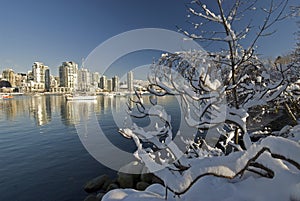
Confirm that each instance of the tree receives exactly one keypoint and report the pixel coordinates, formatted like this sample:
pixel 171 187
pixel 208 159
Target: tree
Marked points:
pixel 238 61
pixel 216 91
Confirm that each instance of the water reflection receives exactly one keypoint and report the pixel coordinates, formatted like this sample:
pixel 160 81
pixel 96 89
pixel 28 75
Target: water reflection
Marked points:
pixel 42 109
pixel 78 111
pixel 32 158
pixel 38 108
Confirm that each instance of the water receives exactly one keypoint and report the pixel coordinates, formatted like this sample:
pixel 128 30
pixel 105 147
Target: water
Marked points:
pixel 41 155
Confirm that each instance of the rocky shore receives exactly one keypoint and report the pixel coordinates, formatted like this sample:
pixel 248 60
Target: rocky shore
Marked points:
pixel 134 175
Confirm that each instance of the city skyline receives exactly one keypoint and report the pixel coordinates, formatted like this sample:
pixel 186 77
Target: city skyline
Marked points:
pixel 70 79
pixel 42 31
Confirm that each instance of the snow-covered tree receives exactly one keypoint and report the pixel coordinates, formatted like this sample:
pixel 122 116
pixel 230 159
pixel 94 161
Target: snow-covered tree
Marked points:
pixel 250 83
pixel 216 91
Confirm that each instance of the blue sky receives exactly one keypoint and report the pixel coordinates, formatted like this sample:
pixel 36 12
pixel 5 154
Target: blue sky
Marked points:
pixel 53 31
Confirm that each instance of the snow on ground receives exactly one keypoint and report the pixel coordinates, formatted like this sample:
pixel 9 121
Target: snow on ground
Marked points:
pixel 285 185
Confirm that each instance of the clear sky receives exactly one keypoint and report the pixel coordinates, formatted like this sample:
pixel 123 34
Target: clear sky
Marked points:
pixel 53 31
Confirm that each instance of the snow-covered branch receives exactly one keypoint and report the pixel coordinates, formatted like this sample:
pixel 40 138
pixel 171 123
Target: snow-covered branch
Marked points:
pixel 233 165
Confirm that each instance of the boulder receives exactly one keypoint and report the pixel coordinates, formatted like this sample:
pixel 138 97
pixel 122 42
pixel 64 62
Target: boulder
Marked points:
pixel 157 180
pixel 142 185
pixel 112 186
pixel 100 196
pixel 107 183
pixel 96 183
pixel 125 180
pixel 129 174
pixel 146 176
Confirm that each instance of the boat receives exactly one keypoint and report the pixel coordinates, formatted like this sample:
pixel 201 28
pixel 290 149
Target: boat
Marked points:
pixel 120 94
pixel 80 97
pixel 7 96
pixel 109 94
pixel 38 94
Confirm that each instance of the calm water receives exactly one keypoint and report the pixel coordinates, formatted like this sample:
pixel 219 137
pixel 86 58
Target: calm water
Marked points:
pixel 41 155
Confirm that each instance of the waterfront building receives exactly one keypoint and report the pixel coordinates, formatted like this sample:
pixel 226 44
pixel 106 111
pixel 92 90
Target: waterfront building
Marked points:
pixel 37 72
pixel 94 81
pixel 95 78
pixel 115 83
pixel 130 81
pixel 18 80
pixel 47 80
pixel 5 87
pixel 83 80
pixel 9 75
pixel 21 82
pixel 103 82
pixel 68 72
pixel 109 85
pixel 38 77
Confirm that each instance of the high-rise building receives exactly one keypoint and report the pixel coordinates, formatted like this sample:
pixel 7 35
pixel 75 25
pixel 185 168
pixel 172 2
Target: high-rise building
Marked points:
pixel 18 79
pixel 130 81
pixel 38 72
pixel 109 85
pixel 47 80
pixel 9 75
pixel 103 82
pixel 83 80
pixel 115 83
pixel 21 82
pixel 95 78
pixel 68 75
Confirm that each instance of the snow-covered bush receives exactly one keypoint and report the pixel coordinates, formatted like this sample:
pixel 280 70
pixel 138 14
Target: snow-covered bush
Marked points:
pixel 216 92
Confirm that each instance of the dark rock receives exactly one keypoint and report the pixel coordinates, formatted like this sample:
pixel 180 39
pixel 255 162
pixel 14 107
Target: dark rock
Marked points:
pixel 96 183
pixel 112 186
pixel 125 180
pixel 107 183
pixel 142 185
pixel 136 178
pixel 157 180
pixel 129 174
pixel 100 196
pixel 91 198
pixel 147 177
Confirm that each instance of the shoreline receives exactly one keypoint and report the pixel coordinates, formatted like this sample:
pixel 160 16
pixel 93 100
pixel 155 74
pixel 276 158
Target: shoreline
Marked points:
pixel 65 93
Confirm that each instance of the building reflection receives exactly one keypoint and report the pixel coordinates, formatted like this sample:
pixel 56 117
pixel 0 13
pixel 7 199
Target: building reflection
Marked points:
pixel 9 110
pixel 56 103
pixel 42 109
pixel 37 108
pixel 74 112
pixel 108 103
